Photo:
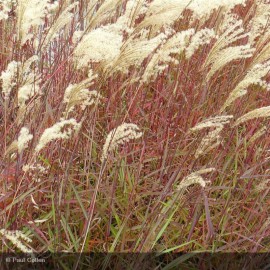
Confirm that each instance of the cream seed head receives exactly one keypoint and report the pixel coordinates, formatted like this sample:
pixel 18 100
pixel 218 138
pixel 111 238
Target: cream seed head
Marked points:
pixel 195 178
pixel 16 237
pixel 122 134
pixel 105 11
pixel 77 35
pixel 176 44
pixel 259 24
pixel 30 15
pixel 36 171
pixel 100 45
pixel 83 97
pixel 209 141
pixel 254 77
pixel 29 82
pixel 26 66
pixel 231 30
pixel 134 52
pixel 257 113
pixel 202 37
pixel 64 19
pixel 202 8
pixel 24 138
pixel 79 95
pixel 212 139
pixel 213 122
pixel 61 130
pixel 258 134
pixel 8 78
pixel 26 92
pixel 162 13
pixel 5 8
pixel 227 55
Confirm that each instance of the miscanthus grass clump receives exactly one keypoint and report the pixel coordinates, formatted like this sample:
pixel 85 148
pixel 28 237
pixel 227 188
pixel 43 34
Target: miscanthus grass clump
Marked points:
pixel 111 110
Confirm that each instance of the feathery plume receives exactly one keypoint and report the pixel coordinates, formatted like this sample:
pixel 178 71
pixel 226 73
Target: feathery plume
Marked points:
pixel 195 178
pixel 134 52
pixel 258 134
pixel 107 8
pixel 213 138
pixel 64 19
pixel 83 97
pixel 213 122
pixel 122 134
pixel 5 8
pixel 36 171
pixel 134 9
pixel 257 113
pixel 209 141
pixel 163 13
pixel 16 237
pixel 30 14
pixel 254 76
pixel 161 59
pixel 26 92
pixel 24 138
pixel 100 45
pixel 78 94
pixel 220 53
pixel 26 66
pixel 30 82
pixel 77 35
pixel 8 78
pixel 227 55
pixel 200 38
pixel 202 9
pixel 61 130
pixel 259 24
